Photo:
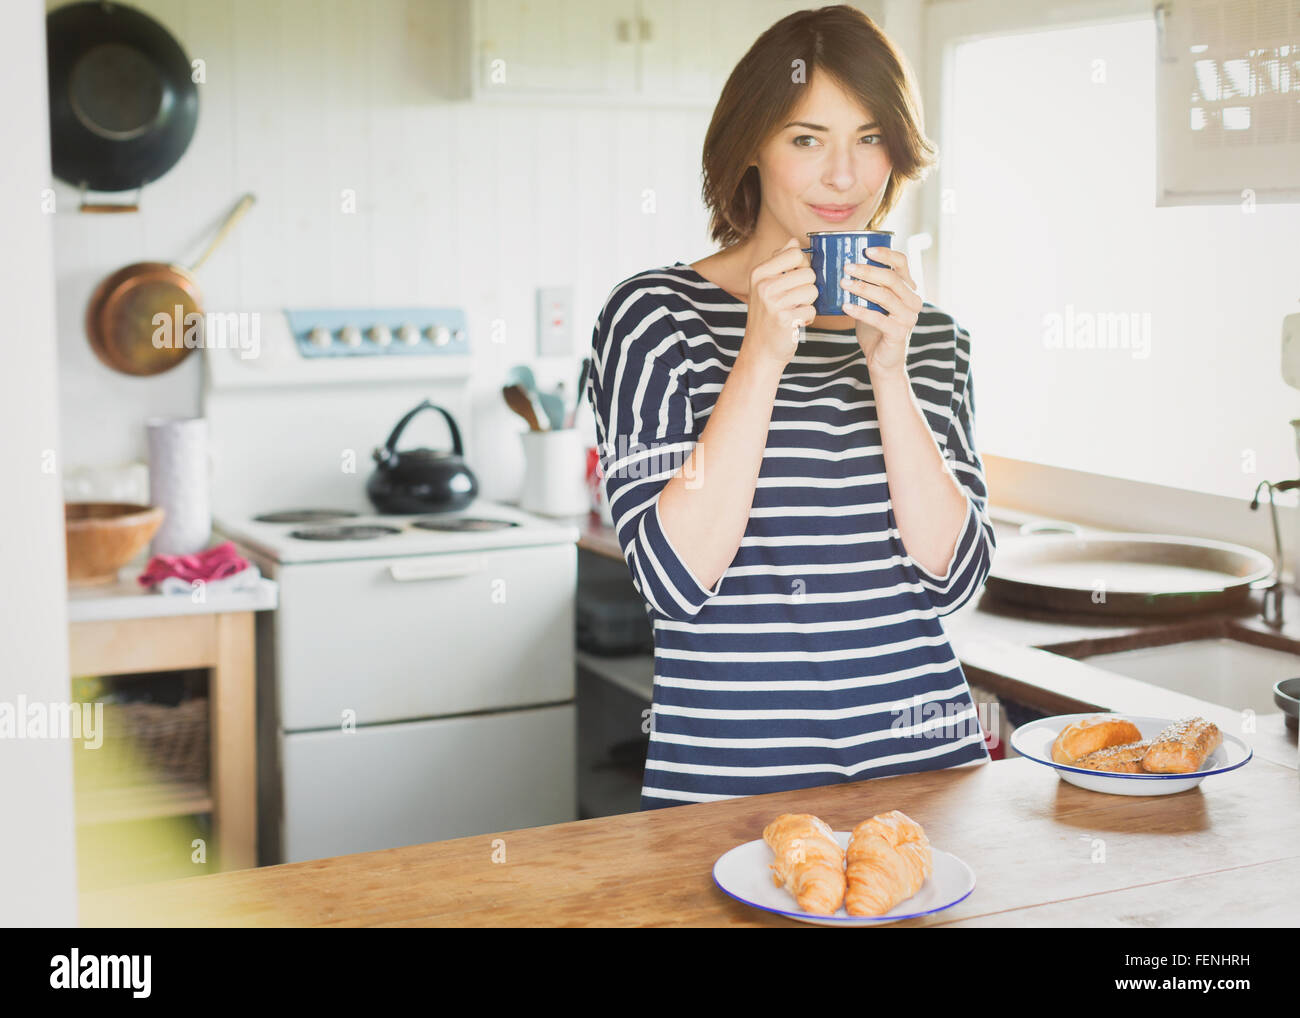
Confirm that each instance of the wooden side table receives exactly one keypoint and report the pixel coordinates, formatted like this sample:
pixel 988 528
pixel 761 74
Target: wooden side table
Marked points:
pixel 126 628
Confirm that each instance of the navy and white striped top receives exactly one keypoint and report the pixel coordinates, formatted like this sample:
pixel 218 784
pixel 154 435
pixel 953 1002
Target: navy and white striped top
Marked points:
pixel 819 656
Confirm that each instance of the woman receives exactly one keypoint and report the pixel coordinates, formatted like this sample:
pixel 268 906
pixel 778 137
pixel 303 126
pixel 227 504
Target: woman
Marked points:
pixel 798 498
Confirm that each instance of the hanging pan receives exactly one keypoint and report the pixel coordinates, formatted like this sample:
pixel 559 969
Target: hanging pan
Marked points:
pixel 123 106
pixel 120 316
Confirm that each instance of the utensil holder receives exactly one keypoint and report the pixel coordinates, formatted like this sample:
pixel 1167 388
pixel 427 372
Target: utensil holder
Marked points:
pixel 555 473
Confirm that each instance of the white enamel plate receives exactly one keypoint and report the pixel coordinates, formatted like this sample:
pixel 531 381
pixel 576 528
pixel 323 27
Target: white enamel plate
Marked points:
pixel 744 874
pixel 1035 739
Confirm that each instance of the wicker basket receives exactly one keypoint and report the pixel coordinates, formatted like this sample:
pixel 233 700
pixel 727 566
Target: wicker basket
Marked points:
pixel 146 742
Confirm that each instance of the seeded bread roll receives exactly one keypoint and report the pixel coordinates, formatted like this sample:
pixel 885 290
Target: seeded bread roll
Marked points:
pixel 1182 747
pixel 1123 759
pixel 1090 735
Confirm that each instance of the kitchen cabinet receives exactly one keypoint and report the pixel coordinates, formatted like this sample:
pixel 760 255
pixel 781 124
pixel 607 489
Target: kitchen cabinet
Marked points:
pixel 579 47
pixel 126 629
pixel 1032 840
pixel 1225 101
pixel 653 52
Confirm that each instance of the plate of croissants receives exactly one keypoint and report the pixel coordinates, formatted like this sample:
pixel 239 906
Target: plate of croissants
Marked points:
pixel 882 871
pixel 1129 755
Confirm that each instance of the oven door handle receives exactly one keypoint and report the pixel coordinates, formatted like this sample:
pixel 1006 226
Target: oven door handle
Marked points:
pixel 442 568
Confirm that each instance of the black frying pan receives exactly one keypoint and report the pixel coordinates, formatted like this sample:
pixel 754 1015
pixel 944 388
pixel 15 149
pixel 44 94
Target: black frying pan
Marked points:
pixel 122 105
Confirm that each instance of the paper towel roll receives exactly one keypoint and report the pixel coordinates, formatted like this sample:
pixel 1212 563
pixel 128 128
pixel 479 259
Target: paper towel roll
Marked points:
pixel 178 483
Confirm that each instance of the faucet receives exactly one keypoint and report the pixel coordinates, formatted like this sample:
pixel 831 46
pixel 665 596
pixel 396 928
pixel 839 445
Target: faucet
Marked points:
pixel 1272 608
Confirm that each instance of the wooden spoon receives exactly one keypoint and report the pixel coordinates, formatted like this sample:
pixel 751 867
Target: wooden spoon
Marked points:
pixel 518 401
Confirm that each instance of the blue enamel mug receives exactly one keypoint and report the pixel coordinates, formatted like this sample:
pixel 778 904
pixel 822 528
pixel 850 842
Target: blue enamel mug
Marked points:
pixel 832 251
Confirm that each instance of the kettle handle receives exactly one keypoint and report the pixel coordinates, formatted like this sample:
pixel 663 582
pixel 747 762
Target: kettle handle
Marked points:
pixel 390 447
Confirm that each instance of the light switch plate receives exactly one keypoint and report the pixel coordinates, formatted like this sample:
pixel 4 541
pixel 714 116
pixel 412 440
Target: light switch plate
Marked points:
pixel 555 321
pixel 1291 350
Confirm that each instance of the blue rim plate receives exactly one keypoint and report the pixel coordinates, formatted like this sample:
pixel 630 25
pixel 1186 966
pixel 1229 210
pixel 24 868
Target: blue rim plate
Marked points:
pixel 1034 742
pixel 744 873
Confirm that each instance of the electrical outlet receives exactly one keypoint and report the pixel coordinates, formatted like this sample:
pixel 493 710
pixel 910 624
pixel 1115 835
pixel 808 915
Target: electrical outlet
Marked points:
pixel 555 321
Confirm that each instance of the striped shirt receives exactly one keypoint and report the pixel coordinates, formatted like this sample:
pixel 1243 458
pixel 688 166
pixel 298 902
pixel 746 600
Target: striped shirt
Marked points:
pixel 819 656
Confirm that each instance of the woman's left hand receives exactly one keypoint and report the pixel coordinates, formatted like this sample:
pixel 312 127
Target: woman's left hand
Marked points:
pixel 883 338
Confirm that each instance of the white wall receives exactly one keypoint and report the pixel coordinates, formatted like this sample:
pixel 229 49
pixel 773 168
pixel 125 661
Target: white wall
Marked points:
pixel 38 883
pixel 473 205
pixel 470 204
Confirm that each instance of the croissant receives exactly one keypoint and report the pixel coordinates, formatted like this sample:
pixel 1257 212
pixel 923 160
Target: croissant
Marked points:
pixel 809 861
pixel 888 861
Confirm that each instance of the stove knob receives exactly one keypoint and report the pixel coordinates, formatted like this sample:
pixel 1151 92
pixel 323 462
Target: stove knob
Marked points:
pixel 351 335
pixel 319 337
pixel 440 335
pixel 409 334
pixel 381 335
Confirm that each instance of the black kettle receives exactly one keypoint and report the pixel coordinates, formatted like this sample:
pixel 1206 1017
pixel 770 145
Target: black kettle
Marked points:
pixel 421 480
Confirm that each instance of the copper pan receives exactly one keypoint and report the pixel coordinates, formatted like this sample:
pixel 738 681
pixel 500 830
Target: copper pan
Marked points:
pixel 120 316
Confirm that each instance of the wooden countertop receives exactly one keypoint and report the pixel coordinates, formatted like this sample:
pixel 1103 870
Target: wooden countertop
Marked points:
pixel 1044 852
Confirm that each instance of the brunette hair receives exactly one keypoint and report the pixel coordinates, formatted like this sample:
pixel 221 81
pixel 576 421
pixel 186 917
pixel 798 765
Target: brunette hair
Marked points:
pixel 763 89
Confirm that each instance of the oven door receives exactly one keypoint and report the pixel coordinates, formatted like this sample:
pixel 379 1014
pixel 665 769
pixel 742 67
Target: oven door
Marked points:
pixel 380 640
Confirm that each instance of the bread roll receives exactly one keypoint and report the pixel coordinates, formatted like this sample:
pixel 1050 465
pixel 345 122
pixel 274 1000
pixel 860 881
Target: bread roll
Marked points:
pixel 1122 759
pixel 1182 747
pixel 809 861
pixel 1091 734
pixel 888 861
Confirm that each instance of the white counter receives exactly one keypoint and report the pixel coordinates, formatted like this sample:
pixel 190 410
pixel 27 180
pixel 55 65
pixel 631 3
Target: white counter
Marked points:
pixel 127 599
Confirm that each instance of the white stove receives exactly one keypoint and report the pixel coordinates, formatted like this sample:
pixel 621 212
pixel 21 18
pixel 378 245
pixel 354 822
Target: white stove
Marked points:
pixel 328 535
pixel 416 682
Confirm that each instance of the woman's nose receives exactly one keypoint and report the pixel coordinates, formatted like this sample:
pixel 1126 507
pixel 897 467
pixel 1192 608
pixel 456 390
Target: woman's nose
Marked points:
pixel 839 172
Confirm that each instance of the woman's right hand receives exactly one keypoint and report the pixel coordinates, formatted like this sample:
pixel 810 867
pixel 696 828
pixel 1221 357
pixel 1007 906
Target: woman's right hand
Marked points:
pixel 782 291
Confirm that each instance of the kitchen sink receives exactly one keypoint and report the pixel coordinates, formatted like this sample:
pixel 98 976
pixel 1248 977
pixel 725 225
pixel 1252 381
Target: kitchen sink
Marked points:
pixel 1220 670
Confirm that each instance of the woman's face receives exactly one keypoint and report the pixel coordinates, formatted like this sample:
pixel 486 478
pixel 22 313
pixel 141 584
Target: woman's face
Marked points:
pixel 826 169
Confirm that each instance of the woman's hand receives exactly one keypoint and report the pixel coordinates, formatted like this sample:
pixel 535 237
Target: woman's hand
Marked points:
pixel 884 338
pixel 782 291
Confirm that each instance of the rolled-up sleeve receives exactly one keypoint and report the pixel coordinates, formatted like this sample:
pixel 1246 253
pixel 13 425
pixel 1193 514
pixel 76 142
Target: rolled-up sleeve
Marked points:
pixel 638 389
pixel 972 558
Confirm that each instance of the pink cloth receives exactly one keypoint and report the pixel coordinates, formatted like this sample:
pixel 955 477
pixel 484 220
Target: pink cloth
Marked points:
pixel 212 564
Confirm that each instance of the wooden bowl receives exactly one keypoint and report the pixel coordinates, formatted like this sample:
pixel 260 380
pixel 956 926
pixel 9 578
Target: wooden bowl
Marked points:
pixel 102 537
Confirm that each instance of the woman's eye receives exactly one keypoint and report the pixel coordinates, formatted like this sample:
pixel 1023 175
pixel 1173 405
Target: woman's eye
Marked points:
pixel 802 140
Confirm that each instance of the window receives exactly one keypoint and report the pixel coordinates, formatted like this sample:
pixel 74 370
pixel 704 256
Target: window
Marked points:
pixel 1110 335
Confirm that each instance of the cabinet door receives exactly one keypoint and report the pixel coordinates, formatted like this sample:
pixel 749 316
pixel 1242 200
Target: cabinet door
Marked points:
pixel 393 785
pixel 565 47
pixel 687 49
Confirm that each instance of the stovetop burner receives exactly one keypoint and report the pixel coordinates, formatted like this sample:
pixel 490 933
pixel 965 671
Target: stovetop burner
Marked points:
pixel 460 523
pixel 343 533
pixel 304 516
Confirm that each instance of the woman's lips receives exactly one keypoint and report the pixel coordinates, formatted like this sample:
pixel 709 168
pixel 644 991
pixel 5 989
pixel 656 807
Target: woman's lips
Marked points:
pixel 834 213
